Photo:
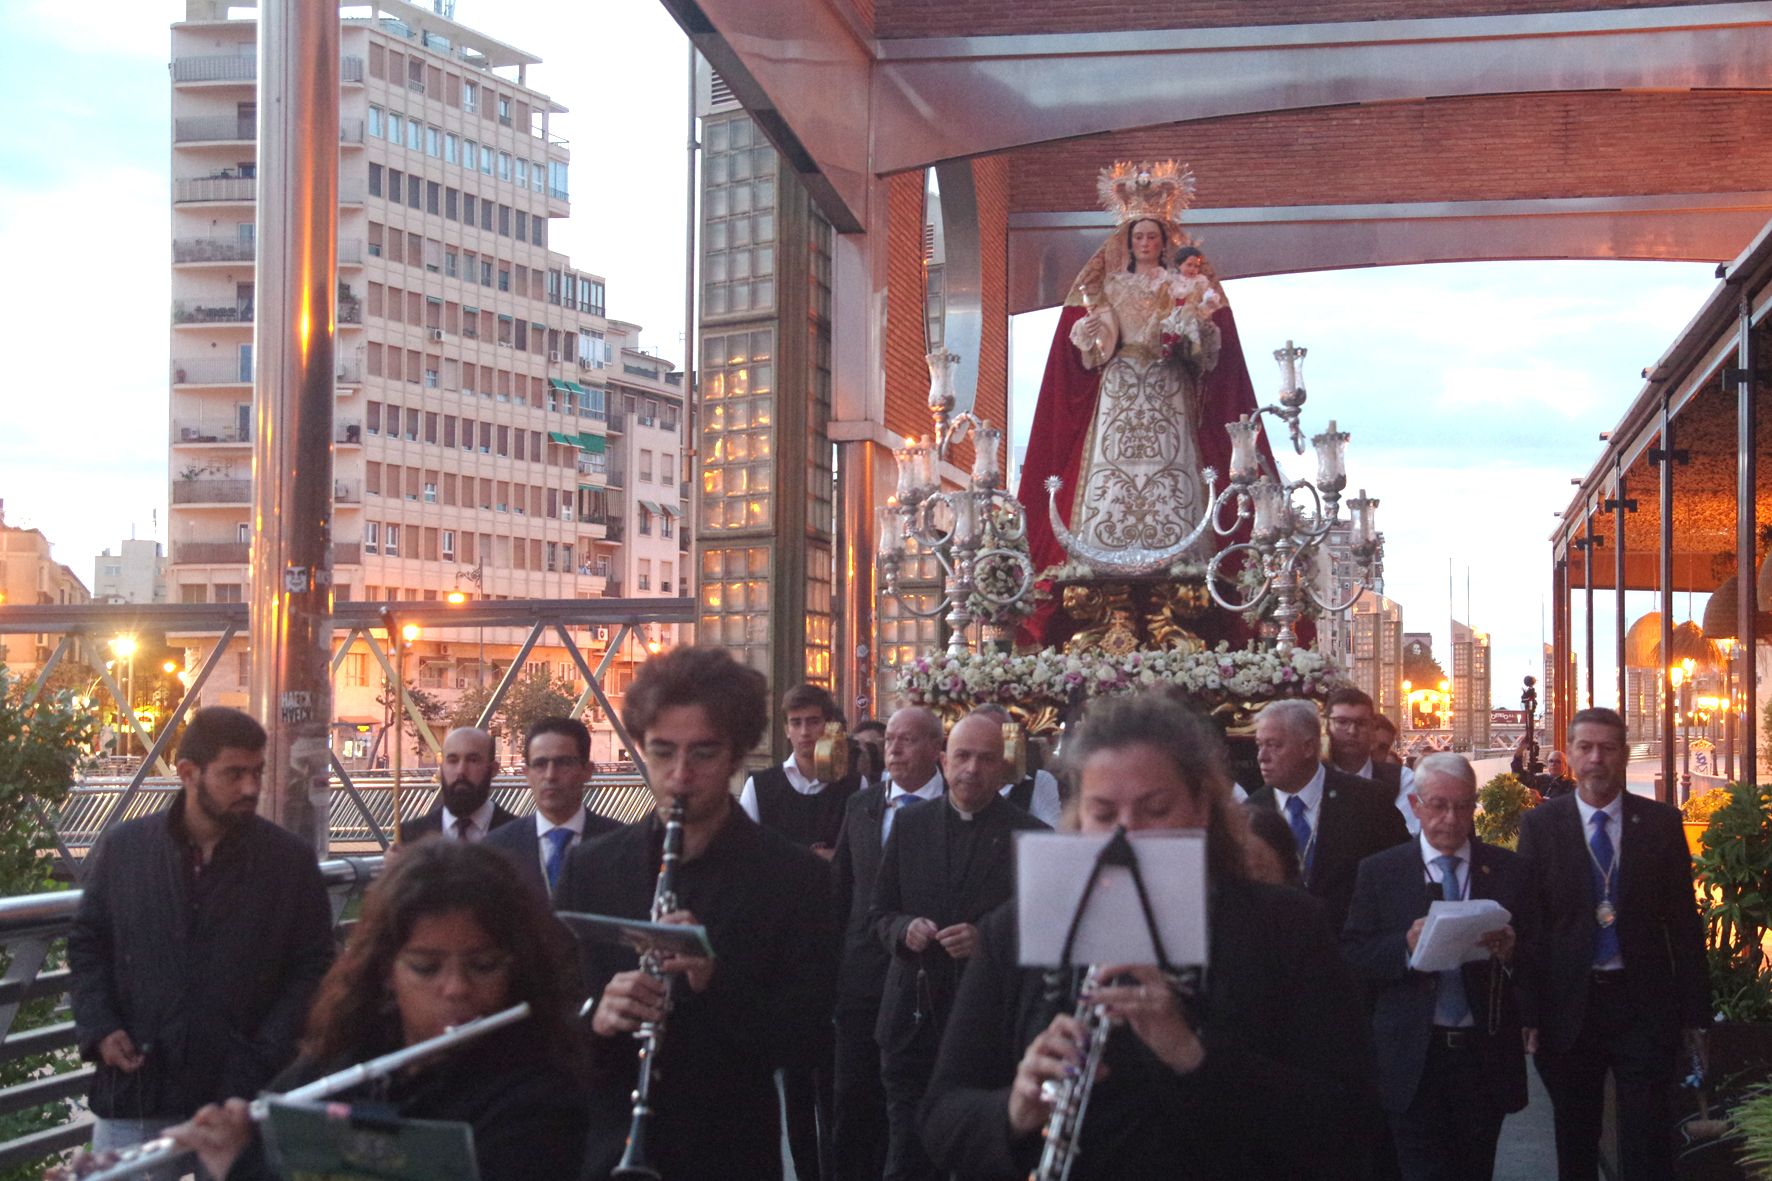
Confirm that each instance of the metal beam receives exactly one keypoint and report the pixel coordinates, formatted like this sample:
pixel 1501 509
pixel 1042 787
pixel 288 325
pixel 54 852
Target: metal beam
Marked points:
pixel 104 619
pixel 1046 250
pixel 1746 534
pixel 1667 793
pixel 594 687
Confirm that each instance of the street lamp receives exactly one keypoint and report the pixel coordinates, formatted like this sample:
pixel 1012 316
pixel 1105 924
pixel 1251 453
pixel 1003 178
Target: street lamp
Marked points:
pixel 1680 676
pixel 124 647
pixel 1408 714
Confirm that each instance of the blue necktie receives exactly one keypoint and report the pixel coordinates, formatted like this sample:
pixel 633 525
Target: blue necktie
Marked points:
pixel 1451 1006
pixel 557 839
pixel 1605 889
pixel 1301 834
pixel 905 800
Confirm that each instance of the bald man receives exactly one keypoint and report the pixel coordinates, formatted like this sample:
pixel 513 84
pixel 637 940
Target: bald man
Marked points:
pixel 465 809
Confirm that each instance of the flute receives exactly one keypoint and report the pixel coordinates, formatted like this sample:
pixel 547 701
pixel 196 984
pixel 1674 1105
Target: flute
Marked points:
pixel 164 1150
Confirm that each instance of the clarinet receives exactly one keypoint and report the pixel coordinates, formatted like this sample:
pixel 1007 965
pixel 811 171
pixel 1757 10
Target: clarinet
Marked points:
pixel 636 1158
pixel 1070 1096
pixel 164 1150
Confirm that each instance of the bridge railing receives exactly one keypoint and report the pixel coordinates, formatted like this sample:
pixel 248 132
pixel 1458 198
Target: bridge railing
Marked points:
pixel 33 933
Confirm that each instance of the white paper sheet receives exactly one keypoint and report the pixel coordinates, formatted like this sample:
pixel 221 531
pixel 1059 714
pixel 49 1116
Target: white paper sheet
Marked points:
pixel 1450 935
pixel 1052 869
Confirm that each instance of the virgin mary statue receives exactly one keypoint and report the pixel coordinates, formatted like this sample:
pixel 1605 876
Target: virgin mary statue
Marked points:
pixel 1145 370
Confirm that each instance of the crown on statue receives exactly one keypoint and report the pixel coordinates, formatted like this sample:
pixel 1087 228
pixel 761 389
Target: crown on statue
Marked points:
pixel 1132 191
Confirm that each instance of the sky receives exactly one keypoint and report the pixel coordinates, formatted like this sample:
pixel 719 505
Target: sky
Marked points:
pixel 1473 392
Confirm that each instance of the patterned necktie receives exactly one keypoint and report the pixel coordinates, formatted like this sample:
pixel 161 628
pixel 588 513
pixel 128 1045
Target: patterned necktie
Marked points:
pixel 904 800
pixel 557 839
pixel 1301 834
pixel 1451 1006
pixel 463 826
pixel 1605 889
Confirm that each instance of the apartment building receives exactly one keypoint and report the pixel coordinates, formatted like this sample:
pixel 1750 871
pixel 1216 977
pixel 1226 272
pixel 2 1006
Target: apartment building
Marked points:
pixel 474 363
pixel 136 573
pixel 29 574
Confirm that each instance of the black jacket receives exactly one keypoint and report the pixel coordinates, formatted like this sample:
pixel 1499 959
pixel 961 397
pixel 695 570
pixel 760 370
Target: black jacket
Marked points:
pixel 1659 932
pixel 211 978
pixel 920 878
pixel 862 970
pixel 527 1111
pixel 1278 1094
pixel 766 905
pixel 521 842
pixel 431 823
pixel 1355 819
pixel 1391 893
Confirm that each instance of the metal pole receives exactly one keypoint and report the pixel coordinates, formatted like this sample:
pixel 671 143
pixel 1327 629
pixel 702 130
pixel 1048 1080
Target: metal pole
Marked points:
pixel 691 404
pixel 1746 533
pixel 1587 575
pixel 293 344
pixel 398 643
pixel 1618 580
pixel 1666 582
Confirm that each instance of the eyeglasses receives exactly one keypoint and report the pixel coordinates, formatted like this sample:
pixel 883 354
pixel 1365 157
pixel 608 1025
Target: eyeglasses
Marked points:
pixel 696 754
pixel 477 968
pixel 564 762
pixel 1349 723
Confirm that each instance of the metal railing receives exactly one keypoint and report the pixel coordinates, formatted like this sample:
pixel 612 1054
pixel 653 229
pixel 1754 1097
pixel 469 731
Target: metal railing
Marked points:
pixel 185 432
pixel 211 371
pixel 211 491
pixel 191 312
pixel 206 553
pixel 215 188
pixel 213 250
pixel 32 927
pixel 195 129
pixel 234 67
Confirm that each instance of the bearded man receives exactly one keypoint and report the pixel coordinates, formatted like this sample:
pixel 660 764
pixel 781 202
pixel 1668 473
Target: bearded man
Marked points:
pixel 201 935
pixel 465 810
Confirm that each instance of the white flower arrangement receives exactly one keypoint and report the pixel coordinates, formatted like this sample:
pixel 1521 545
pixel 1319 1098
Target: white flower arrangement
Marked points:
pixel 1053 678
pixel 1077 570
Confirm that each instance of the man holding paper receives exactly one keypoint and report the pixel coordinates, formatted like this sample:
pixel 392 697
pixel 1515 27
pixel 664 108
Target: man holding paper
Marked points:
pixel 1450 1060
pixel 1613 969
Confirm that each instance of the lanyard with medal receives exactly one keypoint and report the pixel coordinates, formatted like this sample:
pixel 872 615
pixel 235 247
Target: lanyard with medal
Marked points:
pixel 1605 913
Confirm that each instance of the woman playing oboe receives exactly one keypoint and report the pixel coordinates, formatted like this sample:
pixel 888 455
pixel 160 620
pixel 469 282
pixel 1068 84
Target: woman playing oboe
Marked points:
pixel 1259 1077
pixel 448 933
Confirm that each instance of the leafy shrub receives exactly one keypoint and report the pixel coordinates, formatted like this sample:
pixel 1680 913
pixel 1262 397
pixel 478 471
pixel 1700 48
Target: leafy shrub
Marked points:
pixel 1500 804
pixel 1734 877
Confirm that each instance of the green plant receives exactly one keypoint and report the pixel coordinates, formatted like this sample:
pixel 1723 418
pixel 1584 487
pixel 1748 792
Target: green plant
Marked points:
pixel 40 745
pixel 1733 871
pixel 1500 804
pixel 1752 1120
pixel 1698 809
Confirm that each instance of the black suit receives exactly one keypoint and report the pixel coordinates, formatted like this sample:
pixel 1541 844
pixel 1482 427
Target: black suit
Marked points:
pixel 940 866
pixel 1355 819
pixel 521 842
pixel 858 1136
pixel 1446 1094
pixel 1286 1067
pixel 1588 1022
pixel 431 823
pixel 766 905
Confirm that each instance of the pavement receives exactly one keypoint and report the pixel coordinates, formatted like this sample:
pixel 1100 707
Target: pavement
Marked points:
pixel 1527 1151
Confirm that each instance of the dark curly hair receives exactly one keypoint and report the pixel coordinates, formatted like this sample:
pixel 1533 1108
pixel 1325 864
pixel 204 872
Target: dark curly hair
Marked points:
pixel 734 696
pixel 1191 744
pixel 351 1017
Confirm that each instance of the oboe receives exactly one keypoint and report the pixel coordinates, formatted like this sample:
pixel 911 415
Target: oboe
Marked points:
pixel 165 1150
pixel 1070 1096
pixel 636 1158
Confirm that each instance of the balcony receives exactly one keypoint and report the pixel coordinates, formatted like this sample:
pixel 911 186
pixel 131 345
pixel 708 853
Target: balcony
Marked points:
pixel 348 433
pixel 211 553
pixel 612 590
pixel 618 423
pixel 347 553
pixel 346 492
pixel 193 433
pixel 234 67
pixel 188 312
pixel 208 491
pixel 350 311
pixel 211 371
pixel 615 531
pixel 232 129
pixel 236 189
pixel 192 250
pixel 350 372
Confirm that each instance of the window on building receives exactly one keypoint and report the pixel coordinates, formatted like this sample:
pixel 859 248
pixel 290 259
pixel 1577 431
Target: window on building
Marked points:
pixel 645 523
pixel 667 526
pixel 371 537
pixel 643 575
pixel 470 96
pixel 646 466
pixel 391 541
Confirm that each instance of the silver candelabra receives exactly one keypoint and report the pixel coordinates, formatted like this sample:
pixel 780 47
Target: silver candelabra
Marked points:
pixel 962 529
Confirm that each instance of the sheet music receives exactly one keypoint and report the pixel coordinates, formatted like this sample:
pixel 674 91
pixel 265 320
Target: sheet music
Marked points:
pixel 1052 871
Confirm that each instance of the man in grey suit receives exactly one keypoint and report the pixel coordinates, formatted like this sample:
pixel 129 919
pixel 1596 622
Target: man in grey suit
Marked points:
pixel 1450 1060
pixel 557 761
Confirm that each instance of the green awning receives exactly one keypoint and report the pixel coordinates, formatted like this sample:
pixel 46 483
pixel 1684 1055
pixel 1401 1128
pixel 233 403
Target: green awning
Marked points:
pixel 568 440
pixel 651 508
pixel 555 383
pixel 589 488
pixel 576 388
pixel 670 510
pixel 591 443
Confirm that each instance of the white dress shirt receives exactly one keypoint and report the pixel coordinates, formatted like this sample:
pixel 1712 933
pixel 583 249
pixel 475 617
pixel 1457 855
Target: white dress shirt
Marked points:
pixel 479 823
pixel 544 847
pixel 1461 884
pixel 1311 795
pixel 895 797
pixel 747 799
pixel 1614 830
